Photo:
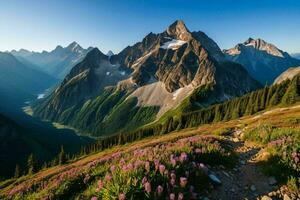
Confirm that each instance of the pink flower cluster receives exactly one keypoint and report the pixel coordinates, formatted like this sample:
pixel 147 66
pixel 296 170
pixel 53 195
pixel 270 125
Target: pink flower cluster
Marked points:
pixel 165 171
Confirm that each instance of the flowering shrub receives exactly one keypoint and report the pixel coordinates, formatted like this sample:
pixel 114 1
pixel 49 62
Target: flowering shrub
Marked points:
pixel 167 171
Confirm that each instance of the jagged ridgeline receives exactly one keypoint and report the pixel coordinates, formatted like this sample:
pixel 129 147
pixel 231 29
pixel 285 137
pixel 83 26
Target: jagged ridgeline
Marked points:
pixel 286 93
pixel 104 95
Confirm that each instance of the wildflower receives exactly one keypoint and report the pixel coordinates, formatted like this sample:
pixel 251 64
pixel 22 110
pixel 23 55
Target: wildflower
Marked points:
pixel 94 198
pixel 147 187
pixel 198 151
pixel 147 166
pixel 180 196
pixel 100 184
pixel 183 156
pixel 159 190
pixel 108 177
pixel 173 162
pixel 183 181
pixel 173 175
pixel 122 196
pixel 172 196
pixel 112 168
pixel 173 182
pixel 144 180
pixel 162 168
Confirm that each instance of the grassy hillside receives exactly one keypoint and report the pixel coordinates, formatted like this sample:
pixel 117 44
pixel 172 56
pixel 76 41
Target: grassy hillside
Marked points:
pixel 109 113
pixel 109 172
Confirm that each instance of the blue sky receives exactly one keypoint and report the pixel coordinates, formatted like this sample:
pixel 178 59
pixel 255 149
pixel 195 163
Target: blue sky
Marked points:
pixel 115 24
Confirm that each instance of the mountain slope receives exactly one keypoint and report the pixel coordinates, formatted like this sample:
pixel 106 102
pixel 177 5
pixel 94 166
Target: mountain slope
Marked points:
pixel 57 62
pixel 288 74
pixel 18 80
pixel 296 55
pixel 263 60
pixel 146 79
pixel 208 146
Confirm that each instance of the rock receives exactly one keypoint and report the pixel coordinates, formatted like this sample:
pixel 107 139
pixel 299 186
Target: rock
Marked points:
pixel 272 180
pixel 286 197
pixel 253 188
pixel 272 194
pixel 242 162
pixel 235 139
pixel 226 174
pixel 266 198
pixel 215 179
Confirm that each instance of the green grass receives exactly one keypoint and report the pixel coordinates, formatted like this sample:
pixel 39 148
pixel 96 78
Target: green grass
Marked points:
pixel 281 144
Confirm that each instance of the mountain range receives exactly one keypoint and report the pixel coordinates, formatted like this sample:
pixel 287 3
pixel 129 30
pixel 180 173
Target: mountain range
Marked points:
pixel 104 95
pixel 296 55
pixel 264 61
pixel 20 81
pixel 57 62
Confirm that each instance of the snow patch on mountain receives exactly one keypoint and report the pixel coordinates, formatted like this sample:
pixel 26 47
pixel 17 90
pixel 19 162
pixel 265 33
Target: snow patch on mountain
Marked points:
pixel 173 44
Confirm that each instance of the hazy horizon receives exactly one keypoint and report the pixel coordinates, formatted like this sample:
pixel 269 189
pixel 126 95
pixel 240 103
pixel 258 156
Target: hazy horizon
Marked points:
pixel 40 25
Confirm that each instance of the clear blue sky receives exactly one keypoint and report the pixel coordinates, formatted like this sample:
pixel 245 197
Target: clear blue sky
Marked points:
pixel 114 24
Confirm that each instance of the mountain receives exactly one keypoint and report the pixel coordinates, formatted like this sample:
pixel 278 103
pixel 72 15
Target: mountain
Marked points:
pixel 19 80
pixel 104 95
pixel 263 61
pixel 288 74
pixel 57 62
pixel 110 53
pixel 296 55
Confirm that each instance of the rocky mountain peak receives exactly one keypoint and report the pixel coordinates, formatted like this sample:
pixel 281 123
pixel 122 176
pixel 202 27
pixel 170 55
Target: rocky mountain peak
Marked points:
pixel 74 47
pixel 110 53
pixel 262 45
pixel 179 31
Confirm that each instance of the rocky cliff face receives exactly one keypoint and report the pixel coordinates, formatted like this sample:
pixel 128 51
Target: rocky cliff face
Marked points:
pixel 171 64
pixel 264 61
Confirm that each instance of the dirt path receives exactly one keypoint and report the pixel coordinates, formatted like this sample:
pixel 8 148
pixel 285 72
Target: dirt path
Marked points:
pixel 245 181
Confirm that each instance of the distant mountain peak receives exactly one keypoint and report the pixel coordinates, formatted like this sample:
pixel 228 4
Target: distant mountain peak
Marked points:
pixel 74 47
pixel 263 60
pixel 179 30
pixel 110 53
pixel 262 45
pixel 58 47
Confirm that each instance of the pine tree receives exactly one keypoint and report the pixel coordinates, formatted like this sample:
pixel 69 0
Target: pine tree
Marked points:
pixel 31 164
pixel 17 171
pixel 62 156
pixel 291 95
